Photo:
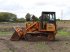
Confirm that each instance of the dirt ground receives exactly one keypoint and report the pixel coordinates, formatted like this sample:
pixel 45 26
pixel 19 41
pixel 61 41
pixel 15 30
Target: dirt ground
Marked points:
pixel 61 44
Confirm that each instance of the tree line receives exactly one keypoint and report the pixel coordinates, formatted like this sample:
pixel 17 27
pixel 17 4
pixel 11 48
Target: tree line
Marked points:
pixel 10 17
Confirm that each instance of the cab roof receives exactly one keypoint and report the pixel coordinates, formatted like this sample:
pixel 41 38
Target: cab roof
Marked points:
pixel 48 12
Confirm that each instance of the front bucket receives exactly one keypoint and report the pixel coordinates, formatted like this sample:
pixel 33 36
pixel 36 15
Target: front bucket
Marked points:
pixel 18 34
pixel 15 37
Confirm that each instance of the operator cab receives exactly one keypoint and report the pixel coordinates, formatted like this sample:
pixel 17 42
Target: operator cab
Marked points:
pixel 47 17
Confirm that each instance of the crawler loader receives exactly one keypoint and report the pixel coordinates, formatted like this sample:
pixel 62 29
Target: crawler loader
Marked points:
pixel 46 26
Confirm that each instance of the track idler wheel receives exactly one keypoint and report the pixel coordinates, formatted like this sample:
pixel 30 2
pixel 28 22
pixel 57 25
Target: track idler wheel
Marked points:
pixel 51 37
pixel 28 37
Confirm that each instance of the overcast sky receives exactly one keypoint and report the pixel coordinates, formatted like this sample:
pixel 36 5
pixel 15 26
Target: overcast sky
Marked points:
pixel 22 7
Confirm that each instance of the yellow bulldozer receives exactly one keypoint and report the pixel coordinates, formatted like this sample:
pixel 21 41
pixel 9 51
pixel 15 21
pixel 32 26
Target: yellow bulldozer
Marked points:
pixel 46 26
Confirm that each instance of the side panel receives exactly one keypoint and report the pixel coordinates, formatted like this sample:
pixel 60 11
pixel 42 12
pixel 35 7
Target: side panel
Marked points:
pixel 50 27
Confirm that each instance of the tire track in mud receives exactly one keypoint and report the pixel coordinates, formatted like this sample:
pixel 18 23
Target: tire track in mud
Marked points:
pixel 51 49
pixel 9 45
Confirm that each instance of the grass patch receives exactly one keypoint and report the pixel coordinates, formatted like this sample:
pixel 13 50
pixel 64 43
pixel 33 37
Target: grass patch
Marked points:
pixel 63 33
pixel 4 33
